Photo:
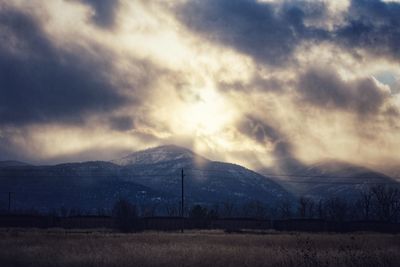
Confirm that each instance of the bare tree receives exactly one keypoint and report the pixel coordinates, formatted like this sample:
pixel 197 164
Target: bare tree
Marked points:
pixel 149 210
pixel 254 209
pixel 364 204
pixel 387 202
pixel 214 211
pixel 172 209
pixel 285 209
pixel 336 209
pixel 306 207
pixel 64 212
pixel 320 209
pixel 198 212
pixel 227 209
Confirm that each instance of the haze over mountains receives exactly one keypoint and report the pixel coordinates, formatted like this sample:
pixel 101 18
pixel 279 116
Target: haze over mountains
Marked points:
pixel 325 179
pixel 152 178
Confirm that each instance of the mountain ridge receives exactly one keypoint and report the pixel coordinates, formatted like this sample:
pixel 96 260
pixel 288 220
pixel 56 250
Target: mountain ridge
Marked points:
pixel 157 154
pixel 328 178
pixel 153 173
pixel 13 163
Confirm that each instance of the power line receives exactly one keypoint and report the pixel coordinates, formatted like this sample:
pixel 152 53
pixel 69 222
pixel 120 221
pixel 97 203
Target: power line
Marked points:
pixel 340 182
pixel 79 173
pixel 323 182
pixel 123 171
pixel 328 182
pixel 96 176
pixel 302 175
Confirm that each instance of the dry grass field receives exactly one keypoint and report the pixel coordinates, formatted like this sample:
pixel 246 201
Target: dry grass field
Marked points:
pixel 212 248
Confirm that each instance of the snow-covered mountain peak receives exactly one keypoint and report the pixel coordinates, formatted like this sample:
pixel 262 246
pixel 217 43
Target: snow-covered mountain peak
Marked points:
pixel 156 155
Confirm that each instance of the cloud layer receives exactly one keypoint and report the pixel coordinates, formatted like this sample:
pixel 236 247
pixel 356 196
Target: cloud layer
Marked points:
pixel 240 80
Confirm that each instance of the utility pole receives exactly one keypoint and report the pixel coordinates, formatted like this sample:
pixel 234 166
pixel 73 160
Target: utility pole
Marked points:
pixel 182 203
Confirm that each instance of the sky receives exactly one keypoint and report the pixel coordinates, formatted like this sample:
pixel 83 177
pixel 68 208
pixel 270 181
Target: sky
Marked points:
pixel 244 81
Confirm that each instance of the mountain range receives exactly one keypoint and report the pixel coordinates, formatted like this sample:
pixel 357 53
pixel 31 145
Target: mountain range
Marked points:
pixel 148 177
pixel 152 178
pixel 325 179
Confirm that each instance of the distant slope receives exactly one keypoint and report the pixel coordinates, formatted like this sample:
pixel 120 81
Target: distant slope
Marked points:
pixel 328 179
pixel 153 177
pixel 149 177
pixel 83 186
pixel 12 163
pixel 392 170
pixel 206 181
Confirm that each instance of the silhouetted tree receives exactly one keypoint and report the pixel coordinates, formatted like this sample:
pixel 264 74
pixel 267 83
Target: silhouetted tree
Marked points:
pixel 321 212
pixel 75 212
pixel 254 209
pixel 149 210
pixel 125 216
pixel 64 212
pixel 364 204
pixel 102 212
pixel 387 202
pixel 198 212
pixel 171 208
pixel 213 213
pixel 285 209
pixel 336 209
pixel 306 207
pixel 227 209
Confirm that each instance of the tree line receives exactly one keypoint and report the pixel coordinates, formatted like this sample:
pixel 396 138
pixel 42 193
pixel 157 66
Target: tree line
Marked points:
pixel 378 203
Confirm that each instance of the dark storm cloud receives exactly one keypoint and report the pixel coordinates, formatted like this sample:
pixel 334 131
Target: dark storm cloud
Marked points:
pixel 262 132
pixel 372 25
pixel 325 88
pixel 105 11
pixel 121 123
pixel 39 83
pixel 268 32
pixel 258 130
pixel 283 149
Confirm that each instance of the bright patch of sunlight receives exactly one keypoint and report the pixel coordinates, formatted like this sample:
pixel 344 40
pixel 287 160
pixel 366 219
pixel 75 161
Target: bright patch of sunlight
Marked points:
pixel 207 114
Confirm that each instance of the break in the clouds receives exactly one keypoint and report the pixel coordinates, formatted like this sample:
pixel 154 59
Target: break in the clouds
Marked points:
pixel 247 81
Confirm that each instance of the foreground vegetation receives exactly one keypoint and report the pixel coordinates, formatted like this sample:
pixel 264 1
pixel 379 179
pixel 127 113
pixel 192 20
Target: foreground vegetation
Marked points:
pixel 210 248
